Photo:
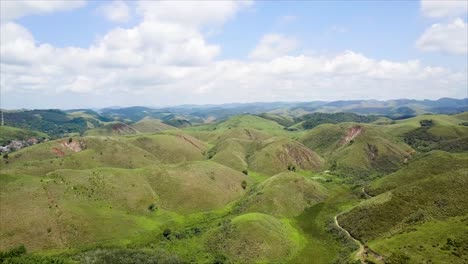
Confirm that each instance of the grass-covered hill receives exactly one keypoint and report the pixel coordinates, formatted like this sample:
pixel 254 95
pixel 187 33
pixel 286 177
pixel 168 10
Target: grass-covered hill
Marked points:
pixel 7 134
pixel 268 157
pixel 357 149
pixel 255 238
pixel 286 194
pixel 421 220
pixel 249 188
pixel 276 154
pixel 150 125
pixel 112 129
pixel 423 166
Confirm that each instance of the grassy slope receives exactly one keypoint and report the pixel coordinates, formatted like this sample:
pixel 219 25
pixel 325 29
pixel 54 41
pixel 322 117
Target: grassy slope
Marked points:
pixel 370 151
pixel 8 133
pixel 424 166
pixel 149 125
pixel 170 148
pixel 429 242
pixel 285 195
pixel 104 204
pixel 437 197
pixel 255 237
pixel 112 129
pixel 276 154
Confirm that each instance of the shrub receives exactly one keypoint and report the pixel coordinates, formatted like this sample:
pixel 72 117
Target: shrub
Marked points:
pixel 167 233
pixel 5 156
pixel 426 123
pixel 244 185
pixel 14 252
pixel 245 172
pixel 70 140
pixel 152 207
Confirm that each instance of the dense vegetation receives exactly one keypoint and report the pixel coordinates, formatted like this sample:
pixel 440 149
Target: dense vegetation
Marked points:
pixel 315 119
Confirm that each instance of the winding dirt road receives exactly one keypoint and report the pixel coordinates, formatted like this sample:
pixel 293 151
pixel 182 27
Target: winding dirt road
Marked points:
pixel 361 251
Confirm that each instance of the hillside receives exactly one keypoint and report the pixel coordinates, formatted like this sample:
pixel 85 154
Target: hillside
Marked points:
pixel 112 129
pixel 149 125
pixel 255 237
pixel 286 194
pixel 7 134
pixel 356 149
pixel 424 166
pixel 401 211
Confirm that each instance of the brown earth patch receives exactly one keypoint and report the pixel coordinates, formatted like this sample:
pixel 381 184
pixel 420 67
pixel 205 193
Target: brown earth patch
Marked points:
pixel 75 146
pixel 59 152
pixel 351 134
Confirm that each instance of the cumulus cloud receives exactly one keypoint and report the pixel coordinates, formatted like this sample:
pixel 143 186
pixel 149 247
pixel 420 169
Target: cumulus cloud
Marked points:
pixel 272 46
pixel 450 38
pixel 444 8
pixel 15 9
pixel 191 13
pixel 115 11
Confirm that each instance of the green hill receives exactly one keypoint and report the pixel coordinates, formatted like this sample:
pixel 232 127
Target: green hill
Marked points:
pixel 149 125
pixel 74 207
pixel 357 149
pixel 434 198
pixel 285 195
pixel 424 166
pixel 255 238
pixel 112 129
pixel 170 148
pixel 275 155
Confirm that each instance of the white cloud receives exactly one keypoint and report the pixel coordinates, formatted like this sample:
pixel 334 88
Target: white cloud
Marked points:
pixel 191 13
pixel 444 8
pixel 15 9
pixel 116 11
pixel 451 38
pixel 272 46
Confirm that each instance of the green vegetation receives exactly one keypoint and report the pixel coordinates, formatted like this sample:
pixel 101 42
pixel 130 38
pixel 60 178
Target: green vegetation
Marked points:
pixel 312 120
pixel 7 134
pixel 255 237
pixel 237 189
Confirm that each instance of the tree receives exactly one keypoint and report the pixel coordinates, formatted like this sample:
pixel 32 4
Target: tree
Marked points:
pixel 70 140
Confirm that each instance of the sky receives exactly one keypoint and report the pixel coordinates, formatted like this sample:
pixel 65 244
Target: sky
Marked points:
pixel 93 54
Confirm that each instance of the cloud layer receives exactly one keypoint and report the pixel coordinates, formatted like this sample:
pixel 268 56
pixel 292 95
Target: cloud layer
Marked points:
pixel 166 59
pixel 451 38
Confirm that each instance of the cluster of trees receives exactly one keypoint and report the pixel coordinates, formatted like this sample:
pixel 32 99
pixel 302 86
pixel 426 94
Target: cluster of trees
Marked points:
pixel 55 123
pixel 315 119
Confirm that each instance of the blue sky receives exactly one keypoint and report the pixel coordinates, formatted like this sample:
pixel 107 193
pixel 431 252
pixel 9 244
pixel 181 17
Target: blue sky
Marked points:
pixel 232 52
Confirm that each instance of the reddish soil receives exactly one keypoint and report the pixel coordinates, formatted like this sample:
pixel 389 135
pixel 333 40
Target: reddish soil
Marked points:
pixel 59 152
pixel 351 134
